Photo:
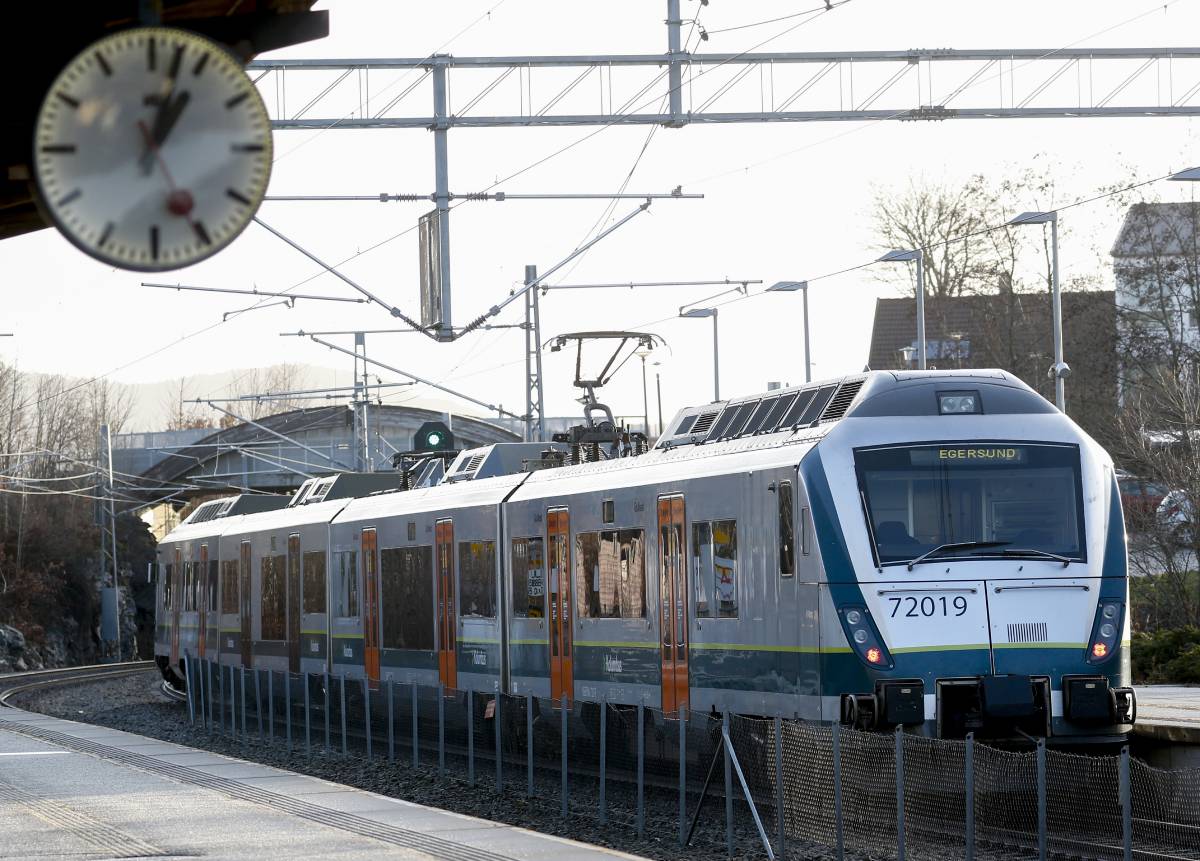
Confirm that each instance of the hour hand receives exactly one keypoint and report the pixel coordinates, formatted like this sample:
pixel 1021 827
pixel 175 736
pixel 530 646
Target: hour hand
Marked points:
pixel 169 110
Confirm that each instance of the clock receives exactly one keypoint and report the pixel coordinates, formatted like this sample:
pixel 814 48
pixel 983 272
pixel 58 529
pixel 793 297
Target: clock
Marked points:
pixel 152 149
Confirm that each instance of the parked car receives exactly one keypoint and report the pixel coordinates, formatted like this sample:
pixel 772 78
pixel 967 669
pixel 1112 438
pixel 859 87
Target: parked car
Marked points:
pixel 1139 498
pixel 1175 512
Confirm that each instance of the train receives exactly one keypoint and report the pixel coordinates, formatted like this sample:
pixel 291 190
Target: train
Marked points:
pixel 938 550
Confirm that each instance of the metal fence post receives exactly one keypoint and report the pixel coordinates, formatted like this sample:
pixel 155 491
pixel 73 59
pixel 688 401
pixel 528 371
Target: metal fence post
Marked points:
pixel 1126 793
pixel 728 788
pixel 603 755
pixel 208 687
pixel 838 828
pixel 470 737
pixel 307 718
pixel 391 712
pixel 779 783
pixel 221 695
pixel 188 689
pixel 242 688
pixel 969 791
pixel 441 730
pixel 563 752
pixel 682 774
pixel 367 713
pixel 328 692
pixel 342 711
pixel 287 706
pixel 1041 797
pixel 529 744
pixel 900 793
pixel 232 703
pixel 499 758
pixel 270 704
pixel 641 767
pixel 258 701
pixel 416 755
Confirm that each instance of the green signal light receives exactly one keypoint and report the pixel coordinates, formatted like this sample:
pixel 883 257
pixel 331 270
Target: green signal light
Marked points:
pixel 434 438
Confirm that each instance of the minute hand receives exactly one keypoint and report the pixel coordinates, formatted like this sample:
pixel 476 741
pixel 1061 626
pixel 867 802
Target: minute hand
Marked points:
pixel 168 114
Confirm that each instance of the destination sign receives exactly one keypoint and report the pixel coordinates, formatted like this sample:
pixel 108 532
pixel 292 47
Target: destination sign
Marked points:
pixel 968 455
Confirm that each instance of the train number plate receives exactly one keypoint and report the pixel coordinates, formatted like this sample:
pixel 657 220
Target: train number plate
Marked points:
pixel 941 605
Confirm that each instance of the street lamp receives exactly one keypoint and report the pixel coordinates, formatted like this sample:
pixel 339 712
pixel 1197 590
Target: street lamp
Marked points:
pixel 642 354
pixel 1059 371
pixel 791 287
pixel 695 313
pixel 901 255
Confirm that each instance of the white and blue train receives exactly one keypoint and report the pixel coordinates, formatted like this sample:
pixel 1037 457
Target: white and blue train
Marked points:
pixel 941 550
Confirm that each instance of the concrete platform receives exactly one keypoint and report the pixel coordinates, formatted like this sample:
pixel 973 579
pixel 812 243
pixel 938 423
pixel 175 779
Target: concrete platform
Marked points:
pixel 1169 713
pixel 70 790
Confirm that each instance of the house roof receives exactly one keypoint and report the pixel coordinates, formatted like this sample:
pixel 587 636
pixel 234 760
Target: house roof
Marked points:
pixel 1159 229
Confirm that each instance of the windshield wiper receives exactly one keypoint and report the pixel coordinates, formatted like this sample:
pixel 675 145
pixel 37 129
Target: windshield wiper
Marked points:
pixel 957 545
pixel 1042 554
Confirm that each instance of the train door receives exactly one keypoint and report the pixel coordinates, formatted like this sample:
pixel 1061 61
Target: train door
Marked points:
pixel 562 679
pixel 673 603
pixel 176 605
pixel 293 602
pixel 370 605
pixel 202 587
pixel 447 639
pixel 245 602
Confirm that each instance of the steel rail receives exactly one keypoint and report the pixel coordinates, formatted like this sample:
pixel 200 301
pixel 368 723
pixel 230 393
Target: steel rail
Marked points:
pixel 16 683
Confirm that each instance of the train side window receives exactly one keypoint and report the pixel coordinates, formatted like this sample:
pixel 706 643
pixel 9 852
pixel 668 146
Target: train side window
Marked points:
pixel 314 581
pixel 273 603
pixel 229 586
pixel 407 595
pixel 346 568
pixel 529 578
pixel 477 578
pixel 787 531
pixel 212 585
pixel 715 569
pixel 610 573
pixel 805 531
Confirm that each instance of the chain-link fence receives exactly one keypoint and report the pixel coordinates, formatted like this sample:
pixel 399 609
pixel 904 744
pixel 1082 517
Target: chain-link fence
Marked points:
pixel 757 787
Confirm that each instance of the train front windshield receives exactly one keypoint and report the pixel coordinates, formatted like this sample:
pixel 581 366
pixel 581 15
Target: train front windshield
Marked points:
pixel 1011 497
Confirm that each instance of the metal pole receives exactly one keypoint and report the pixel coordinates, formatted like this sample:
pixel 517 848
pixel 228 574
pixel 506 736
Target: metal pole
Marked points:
pixel 415 741
pixel 534 410
pixel 529 744
pixel 603 754
pixel 187 680
pixel 641 768
pixel 470 737
pixel 258 701
pixel 270 704
pixel 837 792
pixel 441 179
pixel 728 789
pixel 807 339
pixel 682 773
pixel 921 309
pixel 441 731
pixel 287 706
pixel 208 689
pixel 499 758
pixel 1060 395
pixel 645 400
pixel 658 386
pixel 1126 805
pixel 328 693
pixel 563 747
pixel 900 793
pixel 716 360
pixel 674 69
pixel 242 687
pixel 737 767
pixel 307 717
pixel 367 713
pixel 1041 796
pixel 342 711
pixel 969 791
pixel 779 783
pixel 391 712
pixel 112 523
pixel 221 697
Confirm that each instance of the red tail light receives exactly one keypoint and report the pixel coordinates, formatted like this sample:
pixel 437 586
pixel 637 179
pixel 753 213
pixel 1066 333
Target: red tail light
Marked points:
pixel 874 655
pixel 1099 650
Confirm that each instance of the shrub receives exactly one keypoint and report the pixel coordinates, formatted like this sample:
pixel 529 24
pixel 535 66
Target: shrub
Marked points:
pixel 1169 656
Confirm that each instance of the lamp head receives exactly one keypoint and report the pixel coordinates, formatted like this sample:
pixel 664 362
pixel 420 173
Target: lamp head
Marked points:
pixel 1033 218
pixel 900 255
pixel 787 286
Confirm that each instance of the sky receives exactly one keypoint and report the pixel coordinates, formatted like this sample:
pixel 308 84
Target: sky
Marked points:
pixel 784 201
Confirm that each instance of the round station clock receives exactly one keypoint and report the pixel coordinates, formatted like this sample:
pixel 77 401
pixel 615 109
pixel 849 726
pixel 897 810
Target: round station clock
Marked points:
pixel 152 149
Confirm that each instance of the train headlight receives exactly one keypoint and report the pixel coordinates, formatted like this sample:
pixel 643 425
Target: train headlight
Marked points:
pixel 958 403
pixel 1106 630
pixel 864 637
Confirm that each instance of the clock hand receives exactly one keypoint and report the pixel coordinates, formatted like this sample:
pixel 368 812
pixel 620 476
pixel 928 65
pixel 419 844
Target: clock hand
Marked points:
pixel 169 110
pixel 179 201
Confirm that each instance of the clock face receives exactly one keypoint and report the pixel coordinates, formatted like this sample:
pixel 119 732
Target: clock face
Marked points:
pixel 152 149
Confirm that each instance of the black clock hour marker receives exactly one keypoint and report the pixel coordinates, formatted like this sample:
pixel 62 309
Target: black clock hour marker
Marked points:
pixel 154 242
pixel 69 197
pixel 201 231
pixel 238 196
pixel 108 229
pixel 236 100
pixel 59 149
pixel 200 64
pixel 176 59
pixel 107 69
pixel 67 99
pixel 247 147
pixel 151 60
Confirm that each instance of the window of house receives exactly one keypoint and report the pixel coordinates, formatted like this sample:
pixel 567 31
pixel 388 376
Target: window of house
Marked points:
pixel 610 574
pixel 714 569
pixel 529 578
pixel 407 587
pixel 345 567
pixel 477 578
pixel 787 531
pixel 313 565
pixel 273 606
pixel 229 586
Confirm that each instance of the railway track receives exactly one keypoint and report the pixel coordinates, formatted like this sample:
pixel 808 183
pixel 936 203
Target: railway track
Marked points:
pixel 17 683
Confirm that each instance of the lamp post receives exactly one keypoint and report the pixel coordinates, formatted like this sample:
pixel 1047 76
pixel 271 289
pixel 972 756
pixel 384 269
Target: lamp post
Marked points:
pixel 903 256
pixel 791 287
pixel 695 313
pixel 1059 371
pixel 642 354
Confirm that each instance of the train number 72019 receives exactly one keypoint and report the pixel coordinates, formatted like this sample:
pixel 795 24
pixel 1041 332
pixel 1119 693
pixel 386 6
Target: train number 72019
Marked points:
pixel 928 606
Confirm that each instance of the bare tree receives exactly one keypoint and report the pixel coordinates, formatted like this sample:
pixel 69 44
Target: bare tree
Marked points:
pixel 181 415
pixel 269 385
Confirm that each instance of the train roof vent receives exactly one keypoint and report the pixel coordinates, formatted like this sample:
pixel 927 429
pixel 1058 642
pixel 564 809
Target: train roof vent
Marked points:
pixel 506 458
pixel 703 424
pixel 206 512
pixel 320 490
pixel 732 421
pixel 845 396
